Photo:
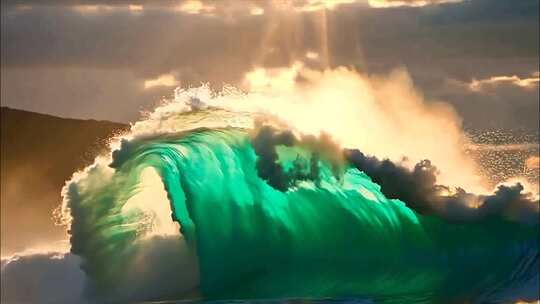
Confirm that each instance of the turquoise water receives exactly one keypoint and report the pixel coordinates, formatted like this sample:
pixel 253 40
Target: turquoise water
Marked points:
pixel 329 234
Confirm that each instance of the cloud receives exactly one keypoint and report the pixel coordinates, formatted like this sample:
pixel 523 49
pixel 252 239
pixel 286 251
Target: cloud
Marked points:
pixel 165 80
pixel 225 7
pixel 256 11
pixel 195 7
pixel 491 82
pixel 92 9
pixel 475 38
pixel 410 3
pixel 316 5
pixel 496 102
pixel 82 7
pixel 103 9
pixel 100 7
pixel 23 7
pixel 135 7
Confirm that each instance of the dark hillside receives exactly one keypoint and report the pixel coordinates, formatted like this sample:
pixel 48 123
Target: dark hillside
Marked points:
pixel 38 154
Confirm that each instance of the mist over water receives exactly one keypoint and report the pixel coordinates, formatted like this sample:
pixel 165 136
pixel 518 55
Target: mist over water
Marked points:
pixel 340 185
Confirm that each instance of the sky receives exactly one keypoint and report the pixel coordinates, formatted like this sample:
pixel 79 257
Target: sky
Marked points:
pixel 110 60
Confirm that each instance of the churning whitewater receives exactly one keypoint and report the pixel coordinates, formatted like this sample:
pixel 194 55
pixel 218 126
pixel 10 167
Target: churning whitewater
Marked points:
pixel 248 206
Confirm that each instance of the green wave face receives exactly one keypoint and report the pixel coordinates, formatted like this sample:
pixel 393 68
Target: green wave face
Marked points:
pixel 332 235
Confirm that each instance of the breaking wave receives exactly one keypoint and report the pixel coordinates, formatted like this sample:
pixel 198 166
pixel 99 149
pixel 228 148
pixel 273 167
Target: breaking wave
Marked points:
pixel 245 205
